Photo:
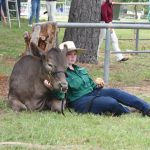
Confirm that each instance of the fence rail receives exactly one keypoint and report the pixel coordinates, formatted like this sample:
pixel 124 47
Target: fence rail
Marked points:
pixel 131 3
pixel 107 41
pixel 100 25
pixel 131 51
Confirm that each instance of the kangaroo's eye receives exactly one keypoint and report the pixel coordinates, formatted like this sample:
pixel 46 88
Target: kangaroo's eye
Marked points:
pixel 50 65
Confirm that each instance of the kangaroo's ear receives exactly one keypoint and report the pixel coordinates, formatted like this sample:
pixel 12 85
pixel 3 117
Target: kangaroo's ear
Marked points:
pixel 65 48
pixel 36 51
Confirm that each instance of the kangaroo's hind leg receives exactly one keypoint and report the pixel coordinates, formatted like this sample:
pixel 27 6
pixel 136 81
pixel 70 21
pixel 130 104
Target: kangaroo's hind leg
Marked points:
pixel 16 104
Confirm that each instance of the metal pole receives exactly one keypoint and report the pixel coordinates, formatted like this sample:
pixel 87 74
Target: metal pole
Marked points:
pixel 65 7
pixel 97 25
pixel 107 57
pixel 137 40
pixel 149 12
pixel 131 51
pixel 8 13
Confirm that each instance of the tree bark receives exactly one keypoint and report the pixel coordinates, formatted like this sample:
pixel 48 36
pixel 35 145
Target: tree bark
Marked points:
pixel 44 36
pixel 85 11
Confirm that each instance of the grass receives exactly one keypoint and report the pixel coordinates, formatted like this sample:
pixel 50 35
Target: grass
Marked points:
pixel 75 131
pixel 12 42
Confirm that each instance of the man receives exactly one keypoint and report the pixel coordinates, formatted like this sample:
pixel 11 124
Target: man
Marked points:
pixel 19 6
pixel 3 5
pixel 2 15
pixel 85 95
pixel 35 11
pixel 107 17
pixel 51 9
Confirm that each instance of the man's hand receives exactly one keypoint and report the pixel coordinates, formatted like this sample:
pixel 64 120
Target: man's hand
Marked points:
pixel 111 30
pixel 4 21
pixel 99 82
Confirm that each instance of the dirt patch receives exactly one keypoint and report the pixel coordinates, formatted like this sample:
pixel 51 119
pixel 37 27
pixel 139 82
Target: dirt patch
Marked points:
pixel 8 60
pixel 143 89
pixel 4 86
pixel 4 79
pixel 137 90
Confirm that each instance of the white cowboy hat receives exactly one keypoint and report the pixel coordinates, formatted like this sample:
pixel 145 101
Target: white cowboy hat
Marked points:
pixel 71 47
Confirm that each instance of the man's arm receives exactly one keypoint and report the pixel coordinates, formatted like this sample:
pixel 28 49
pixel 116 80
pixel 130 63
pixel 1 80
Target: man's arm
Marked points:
pixel 58 95
pixel 104 14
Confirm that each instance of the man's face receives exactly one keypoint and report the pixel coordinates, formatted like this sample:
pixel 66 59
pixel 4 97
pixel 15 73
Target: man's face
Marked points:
pixel 110 1
pixel 71 57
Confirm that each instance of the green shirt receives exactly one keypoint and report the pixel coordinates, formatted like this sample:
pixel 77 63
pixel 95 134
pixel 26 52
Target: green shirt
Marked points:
pixel 79 84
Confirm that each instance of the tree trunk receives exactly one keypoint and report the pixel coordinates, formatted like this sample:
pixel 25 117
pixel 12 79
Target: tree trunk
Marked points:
pixel 84 11
pixel 44 36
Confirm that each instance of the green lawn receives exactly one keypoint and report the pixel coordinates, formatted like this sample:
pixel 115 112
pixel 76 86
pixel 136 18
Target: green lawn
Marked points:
pixel 74 131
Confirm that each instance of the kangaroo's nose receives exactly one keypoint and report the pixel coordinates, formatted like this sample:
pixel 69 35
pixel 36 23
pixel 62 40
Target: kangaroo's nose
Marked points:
pixel 64 86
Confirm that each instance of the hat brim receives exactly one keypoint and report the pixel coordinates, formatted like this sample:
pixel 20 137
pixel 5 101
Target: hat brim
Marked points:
pixel 78 50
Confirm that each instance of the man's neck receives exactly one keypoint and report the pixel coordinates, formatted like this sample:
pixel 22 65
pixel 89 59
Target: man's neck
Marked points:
pixel 71 67
pixel 109 3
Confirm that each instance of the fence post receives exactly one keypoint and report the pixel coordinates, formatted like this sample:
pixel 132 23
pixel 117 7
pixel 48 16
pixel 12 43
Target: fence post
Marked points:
pixel 137 40
pixel 107 57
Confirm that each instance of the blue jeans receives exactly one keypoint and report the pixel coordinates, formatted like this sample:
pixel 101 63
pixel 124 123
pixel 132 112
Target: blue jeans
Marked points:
pixel 35 11
pixel 109 100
